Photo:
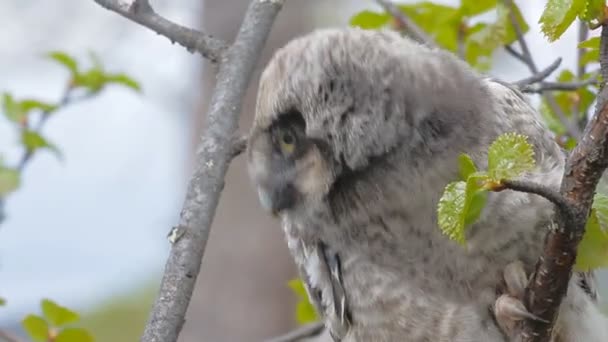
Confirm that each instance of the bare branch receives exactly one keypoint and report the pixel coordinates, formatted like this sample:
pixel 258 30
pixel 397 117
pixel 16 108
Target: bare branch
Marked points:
pixel 583 32
pixel 541 75
pixel 205 185
pixel 511 50
pixel 584 168
pixel 557 86
pixel 305 331
pixel 239 144
pixel 5 336
pixel 538 189
pixel 141 12
pixel 407 25
pixel 526 57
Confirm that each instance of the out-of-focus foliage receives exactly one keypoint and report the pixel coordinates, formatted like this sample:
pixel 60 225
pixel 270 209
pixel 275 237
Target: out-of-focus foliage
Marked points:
pixel 457 29
pixel 54 325
pixel 123 317
pixel 560 14
pixel 305 312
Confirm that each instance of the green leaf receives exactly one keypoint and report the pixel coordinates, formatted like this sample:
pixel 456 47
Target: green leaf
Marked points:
pixel 94 79
pixel 439 21
pixel 11 109
pixel 593 248
pixel 34 141
pixel 475 7
pixel 124 80
pixel 593 11
pixel 482 39
pixel 466 166
pixel 600 204
pixel 28 105
pixel 511 34
pixel 2 301
pixel 9 180
pixel 509 156
pixel 17 111
pixel 476 201
pixel 74 335
pixel 65 60
pixel 58 315
pixel 558 15
pixel 450 211
pixel 591 43
pixel 36 327
pixel 305 311
pixel 369 20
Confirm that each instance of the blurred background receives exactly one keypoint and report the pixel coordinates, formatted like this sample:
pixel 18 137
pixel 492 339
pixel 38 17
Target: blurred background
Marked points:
pixel 89 231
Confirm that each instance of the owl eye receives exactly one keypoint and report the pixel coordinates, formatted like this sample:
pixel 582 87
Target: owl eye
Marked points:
pixel 287 141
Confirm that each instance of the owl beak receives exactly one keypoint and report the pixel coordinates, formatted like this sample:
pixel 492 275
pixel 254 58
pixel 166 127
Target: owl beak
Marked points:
pixel 277 198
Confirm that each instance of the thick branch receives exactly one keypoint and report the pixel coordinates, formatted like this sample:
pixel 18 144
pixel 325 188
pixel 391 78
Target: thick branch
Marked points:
pixel 584 168
pixel 141 12
pixel 305 331
pixel 205 186
pixel 407 25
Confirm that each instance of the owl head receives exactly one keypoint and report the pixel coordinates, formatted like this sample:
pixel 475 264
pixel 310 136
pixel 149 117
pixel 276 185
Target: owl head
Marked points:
pixel 335 103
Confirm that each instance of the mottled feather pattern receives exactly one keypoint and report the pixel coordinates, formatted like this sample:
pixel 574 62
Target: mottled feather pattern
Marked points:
pixel 388 118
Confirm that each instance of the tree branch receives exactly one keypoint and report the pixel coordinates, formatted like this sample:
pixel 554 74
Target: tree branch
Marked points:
pixel 204 188
pixel 305 331
pixel 583 170
pixel 141 12
pixel 538 189
pixel 541 87
pixel 583 32
pixel 239 144
pixel 406 24
pixel 526 57
pixel 5 336
pixel 541 75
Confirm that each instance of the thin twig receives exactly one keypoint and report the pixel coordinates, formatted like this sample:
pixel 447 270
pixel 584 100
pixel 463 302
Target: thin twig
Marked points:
pixel 511 50
pixel 526 57
pixel 239 144
pixel 583 32
pixel 305 331
pixel 205 186
pixel 406 24
pixel 27 155
pixel 541 75
pixel 141 12
pixel 557 86
pixel 584 168
pixel 5 336
pixel 538 189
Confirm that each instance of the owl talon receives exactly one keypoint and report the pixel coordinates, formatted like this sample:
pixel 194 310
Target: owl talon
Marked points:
pixel 512 309
pixel 516 279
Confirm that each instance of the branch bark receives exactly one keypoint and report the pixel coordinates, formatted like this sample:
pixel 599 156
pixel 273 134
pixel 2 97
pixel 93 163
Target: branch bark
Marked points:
pixel 141 12
pixel 214 152
pixel 584 168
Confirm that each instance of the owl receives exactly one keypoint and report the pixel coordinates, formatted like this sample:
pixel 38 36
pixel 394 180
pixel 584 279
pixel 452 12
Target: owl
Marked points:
pixel 355 136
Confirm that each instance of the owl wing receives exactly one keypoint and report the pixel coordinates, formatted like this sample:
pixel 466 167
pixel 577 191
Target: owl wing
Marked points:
pixel 322 276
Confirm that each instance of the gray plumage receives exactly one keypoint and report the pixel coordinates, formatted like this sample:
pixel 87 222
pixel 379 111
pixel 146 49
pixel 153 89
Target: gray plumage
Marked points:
pixel 356 134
